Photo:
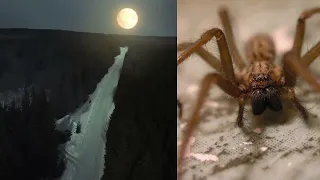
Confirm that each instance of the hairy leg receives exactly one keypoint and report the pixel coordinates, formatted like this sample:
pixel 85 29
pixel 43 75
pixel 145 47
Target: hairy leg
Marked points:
pixel 208 57
pixel 226 60
pixel 226 67
pixel 213 78
pixel 311 55
pixel 292 67
pixel 241 102
pixel 300 29
pixel 295 65
pixel 303 111
pixel 225 19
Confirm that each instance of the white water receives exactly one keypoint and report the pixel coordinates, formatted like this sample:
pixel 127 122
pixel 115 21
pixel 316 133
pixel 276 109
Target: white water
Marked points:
pixel 84 153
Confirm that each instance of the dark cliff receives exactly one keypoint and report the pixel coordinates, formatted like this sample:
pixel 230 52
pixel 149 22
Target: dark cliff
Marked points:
pixel 57 70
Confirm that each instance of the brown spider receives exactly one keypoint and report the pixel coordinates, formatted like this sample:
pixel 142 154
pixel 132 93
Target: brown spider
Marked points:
pixel 260 81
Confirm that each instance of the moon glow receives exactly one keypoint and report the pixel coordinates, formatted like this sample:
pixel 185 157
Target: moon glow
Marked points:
pixel 127 18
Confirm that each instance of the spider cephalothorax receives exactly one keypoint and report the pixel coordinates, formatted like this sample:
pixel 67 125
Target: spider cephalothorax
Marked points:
pixel 260 81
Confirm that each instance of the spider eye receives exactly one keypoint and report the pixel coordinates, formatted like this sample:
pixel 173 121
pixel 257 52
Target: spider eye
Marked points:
pixel 258 102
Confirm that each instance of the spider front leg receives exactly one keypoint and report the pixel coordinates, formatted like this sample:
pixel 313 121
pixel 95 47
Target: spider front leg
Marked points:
pixel 225 66
pixel 303 111
pixel 293 63
pixel 292 66
pixel 314 52
pixel 300 30
pixel 311 55
pixel 241 102
pixel 208 57
pixel 213 78
pixel 227 81
pixel 226 60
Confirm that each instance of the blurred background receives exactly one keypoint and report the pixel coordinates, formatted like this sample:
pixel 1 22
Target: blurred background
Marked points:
pixel 248 17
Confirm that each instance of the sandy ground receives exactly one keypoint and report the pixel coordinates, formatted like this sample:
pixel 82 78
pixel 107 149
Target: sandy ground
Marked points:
pixel 289 149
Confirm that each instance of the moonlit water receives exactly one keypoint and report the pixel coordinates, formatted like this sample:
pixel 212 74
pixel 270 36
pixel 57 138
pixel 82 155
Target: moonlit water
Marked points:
pixel 84 153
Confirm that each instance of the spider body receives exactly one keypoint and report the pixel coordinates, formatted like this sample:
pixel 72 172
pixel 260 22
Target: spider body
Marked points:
pixel 260 81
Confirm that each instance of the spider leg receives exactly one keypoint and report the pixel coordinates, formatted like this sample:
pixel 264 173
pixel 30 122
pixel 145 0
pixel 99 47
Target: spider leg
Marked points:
pixel 226 23
pixel 212 60
pixel 303 111
pixel 225 67
pixel 311 55
pixel 300 29
pixel 292 66
pixel 226 60
pixel 213 78
pixel 241 102
pixel 295 65
pixel 209 58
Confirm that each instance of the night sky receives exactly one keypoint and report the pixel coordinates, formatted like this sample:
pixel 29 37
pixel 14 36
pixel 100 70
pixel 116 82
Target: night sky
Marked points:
pixel 156 17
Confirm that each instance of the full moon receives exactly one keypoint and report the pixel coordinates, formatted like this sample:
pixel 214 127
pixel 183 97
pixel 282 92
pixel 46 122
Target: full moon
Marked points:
pixel 127 18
